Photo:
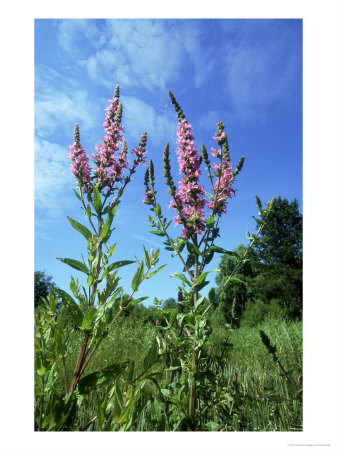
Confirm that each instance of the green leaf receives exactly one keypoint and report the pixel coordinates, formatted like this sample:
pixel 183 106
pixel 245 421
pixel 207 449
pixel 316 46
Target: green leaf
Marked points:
pixel 181 277
pixel 193 249
pixel 75 264
pixel 125 414
pixel 88 212
pixel 90 280
pixel 157 210
pixel 151 356
pixel 210 196
pixel 135 302
pixel 198 303
pixel 138 277
pixel 149 275
pixel 117 265
pixel 101 377
pixel 158 233
pixel 78 195
pixel 146 257
pixel 258 221
pixel 106 228
pixel 97 200
pixel 87 322
pixel 73 307
pixel 210 222
pixel 234 280
pixel 58 343
pixel 80 228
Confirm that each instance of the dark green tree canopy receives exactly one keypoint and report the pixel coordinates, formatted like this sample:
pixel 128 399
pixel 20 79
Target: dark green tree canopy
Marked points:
pixel 273 272
pixel 42 285
pixel 283 235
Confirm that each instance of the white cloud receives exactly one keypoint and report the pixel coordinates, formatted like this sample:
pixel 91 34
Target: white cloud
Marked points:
pixel 138 53
pixel 140 116
pixel 58 108
pixel 149 241
pixel 52 175
pixel 76 36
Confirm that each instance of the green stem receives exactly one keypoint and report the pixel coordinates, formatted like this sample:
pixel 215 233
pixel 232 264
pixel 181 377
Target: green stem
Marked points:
pixel 194 363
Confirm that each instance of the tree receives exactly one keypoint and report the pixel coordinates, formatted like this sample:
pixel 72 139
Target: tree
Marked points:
pixel 280 256
pixel 232 299
pixel 274 270
pixel 283 235
pixel 42 285
pixel 169 303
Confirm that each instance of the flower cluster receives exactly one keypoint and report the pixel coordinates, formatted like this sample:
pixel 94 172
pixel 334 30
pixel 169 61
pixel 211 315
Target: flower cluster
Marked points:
pixel 140 152
pixel 222 189
pixel 80 162
pixel 110 165
pixel 150 193
pixel 110 162
pixel 189 199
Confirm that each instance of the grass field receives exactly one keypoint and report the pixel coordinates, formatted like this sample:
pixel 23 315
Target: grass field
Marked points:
pixel 249 393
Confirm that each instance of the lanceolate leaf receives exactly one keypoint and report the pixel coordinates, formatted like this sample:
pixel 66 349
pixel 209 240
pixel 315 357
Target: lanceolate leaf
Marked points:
pixel 97 200
pixel 87 323
pixel 181 277
pixel 75 264
pixel 81 228
pixel 73 307
pixel 202 276
pixel 138 277
pixel 106 228
pixel 159 233
pixel 118 264
pixel 101 377
pixel 78 195
pixel 151 356
pixel 149 275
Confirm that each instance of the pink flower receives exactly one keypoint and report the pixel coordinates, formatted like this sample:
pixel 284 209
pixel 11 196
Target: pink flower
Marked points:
pixel 80 165
pixel 222 189
pixel 189 198
pixel 109 164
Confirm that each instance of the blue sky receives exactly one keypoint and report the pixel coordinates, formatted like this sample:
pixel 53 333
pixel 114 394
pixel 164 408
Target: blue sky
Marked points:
pixel 247 73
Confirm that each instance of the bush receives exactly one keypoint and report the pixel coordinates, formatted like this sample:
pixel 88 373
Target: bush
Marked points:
pixel 257 312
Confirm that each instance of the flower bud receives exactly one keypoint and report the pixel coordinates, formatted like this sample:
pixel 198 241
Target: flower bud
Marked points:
pixel 204 155
pixel 116 93
pixel 239 166
pixel 124 148
pixel 118 117
pixel 151 172
pixel 176 106
pixel 258 202
pixel 77 135
pixel 143 139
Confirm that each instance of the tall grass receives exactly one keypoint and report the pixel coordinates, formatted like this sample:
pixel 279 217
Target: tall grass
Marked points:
pixel 250 394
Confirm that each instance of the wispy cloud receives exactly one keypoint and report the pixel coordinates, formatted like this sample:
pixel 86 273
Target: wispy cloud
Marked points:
pixel 149 241
pixel 52 175
pixel 58 105
pixel 140 116
pixel 137 53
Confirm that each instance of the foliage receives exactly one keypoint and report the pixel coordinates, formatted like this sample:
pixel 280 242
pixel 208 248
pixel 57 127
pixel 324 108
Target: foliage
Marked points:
pixel 283 235
pixel 271 278
pixel 42 285
pixel 94 309
pixel 124 367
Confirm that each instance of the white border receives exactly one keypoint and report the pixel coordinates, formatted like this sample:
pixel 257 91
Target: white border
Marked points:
pixel 320 99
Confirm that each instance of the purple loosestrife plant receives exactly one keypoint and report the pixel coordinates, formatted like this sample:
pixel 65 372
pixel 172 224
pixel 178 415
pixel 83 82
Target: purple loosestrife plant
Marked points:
pixel 199 219
pixel 93 309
